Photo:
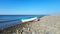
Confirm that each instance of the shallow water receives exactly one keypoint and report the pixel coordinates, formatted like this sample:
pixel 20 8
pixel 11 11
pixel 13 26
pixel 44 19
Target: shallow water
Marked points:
pixel 11 20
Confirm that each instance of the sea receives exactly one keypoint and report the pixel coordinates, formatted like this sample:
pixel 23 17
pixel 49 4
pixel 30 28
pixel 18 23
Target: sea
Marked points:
pixel 11 20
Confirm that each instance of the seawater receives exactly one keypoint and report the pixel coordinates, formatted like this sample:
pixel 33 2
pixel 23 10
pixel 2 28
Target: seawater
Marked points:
pixel 11 20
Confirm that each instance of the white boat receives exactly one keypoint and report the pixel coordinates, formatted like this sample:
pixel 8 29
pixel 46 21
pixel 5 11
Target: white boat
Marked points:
pixel 31 19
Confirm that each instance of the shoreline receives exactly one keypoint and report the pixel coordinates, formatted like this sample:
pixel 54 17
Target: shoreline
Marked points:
pixel 18 25
pixel 45 25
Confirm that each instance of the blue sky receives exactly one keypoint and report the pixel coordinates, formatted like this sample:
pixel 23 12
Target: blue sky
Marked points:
pixel 29 7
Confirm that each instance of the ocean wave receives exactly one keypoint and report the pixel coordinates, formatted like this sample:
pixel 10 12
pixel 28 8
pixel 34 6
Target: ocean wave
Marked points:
pixel 9 20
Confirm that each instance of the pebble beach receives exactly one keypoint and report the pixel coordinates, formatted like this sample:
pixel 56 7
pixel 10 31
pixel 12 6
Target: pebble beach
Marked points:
pixel 46 25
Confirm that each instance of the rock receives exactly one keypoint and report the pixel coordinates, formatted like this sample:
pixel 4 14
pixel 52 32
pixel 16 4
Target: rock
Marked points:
pixel 46 25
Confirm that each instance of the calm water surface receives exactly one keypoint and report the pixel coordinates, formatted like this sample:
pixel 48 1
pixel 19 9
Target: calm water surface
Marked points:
pixel 11 20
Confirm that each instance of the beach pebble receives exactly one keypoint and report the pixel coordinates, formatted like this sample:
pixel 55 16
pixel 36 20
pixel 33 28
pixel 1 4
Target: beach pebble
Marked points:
pixel 46 25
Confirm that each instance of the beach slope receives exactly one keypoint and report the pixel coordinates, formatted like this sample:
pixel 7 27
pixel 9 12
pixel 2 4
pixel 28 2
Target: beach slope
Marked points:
pixel 46 25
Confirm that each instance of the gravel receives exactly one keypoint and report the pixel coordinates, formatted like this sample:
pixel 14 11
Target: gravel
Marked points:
pixel 46 25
